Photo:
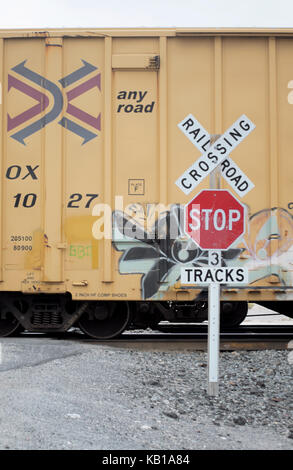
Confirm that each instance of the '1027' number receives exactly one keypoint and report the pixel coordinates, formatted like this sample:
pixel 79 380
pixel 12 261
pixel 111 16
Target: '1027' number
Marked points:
pixel 29 200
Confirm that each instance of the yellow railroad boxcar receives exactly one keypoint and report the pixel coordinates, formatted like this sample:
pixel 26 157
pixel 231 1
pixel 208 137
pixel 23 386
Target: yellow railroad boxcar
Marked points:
pixel 106 136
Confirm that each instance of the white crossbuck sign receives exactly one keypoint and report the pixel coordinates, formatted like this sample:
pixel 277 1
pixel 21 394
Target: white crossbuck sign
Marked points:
pixel 215 155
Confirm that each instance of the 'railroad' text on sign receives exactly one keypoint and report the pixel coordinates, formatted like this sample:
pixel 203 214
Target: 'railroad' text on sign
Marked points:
pixel 214 155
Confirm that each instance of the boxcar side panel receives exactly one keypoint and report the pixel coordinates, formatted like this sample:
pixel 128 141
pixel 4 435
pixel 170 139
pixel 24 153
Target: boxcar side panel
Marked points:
pixel 91 150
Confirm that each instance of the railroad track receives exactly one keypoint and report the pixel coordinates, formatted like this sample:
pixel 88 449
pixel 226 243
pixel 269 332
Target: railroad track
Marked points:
pixel 258 331
pixel 189 337
pixel 173 337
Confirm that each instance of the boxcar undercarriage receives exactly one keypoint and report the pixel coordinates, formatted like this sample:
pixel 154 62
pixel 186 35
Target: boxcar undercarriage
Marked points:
pixel 106 320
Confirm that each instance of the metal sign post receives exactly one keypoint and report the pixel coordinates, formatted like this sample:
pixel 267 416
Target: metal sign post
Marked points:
pixel 214 296
pixel 213 338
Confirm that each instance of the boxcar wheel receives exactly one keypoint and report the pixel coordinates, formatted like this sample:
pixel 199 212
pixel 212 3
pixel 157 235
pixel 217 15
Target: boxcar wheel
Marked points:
pixel 105 320
pixel 232 313
pixel 9 325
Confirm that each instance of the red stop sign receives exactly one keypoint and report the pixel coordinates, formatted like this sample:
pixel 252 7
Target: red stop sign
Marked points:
pixel 214 219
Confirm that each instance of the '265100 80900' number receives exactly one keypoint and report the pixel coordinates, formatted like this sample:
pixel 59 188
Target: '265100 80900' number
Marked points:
pixel 21 242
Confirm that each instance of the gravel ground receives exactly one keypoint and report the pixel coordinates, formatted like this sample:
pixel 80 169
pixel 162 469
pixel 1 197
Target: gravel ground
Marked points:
pixel 254 388
pixel 58 394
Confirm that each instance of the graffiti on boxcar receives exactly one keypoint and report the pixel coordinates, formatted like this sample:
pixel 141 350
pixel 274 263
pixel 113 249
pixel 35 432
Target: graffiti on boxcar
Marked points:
pixel 159 252
pixel 267 246
pixel 266 249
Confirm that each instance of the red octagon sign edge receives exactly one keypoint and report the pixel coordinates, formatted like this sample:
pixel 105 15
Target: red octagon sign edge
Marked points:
pixel 214 219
